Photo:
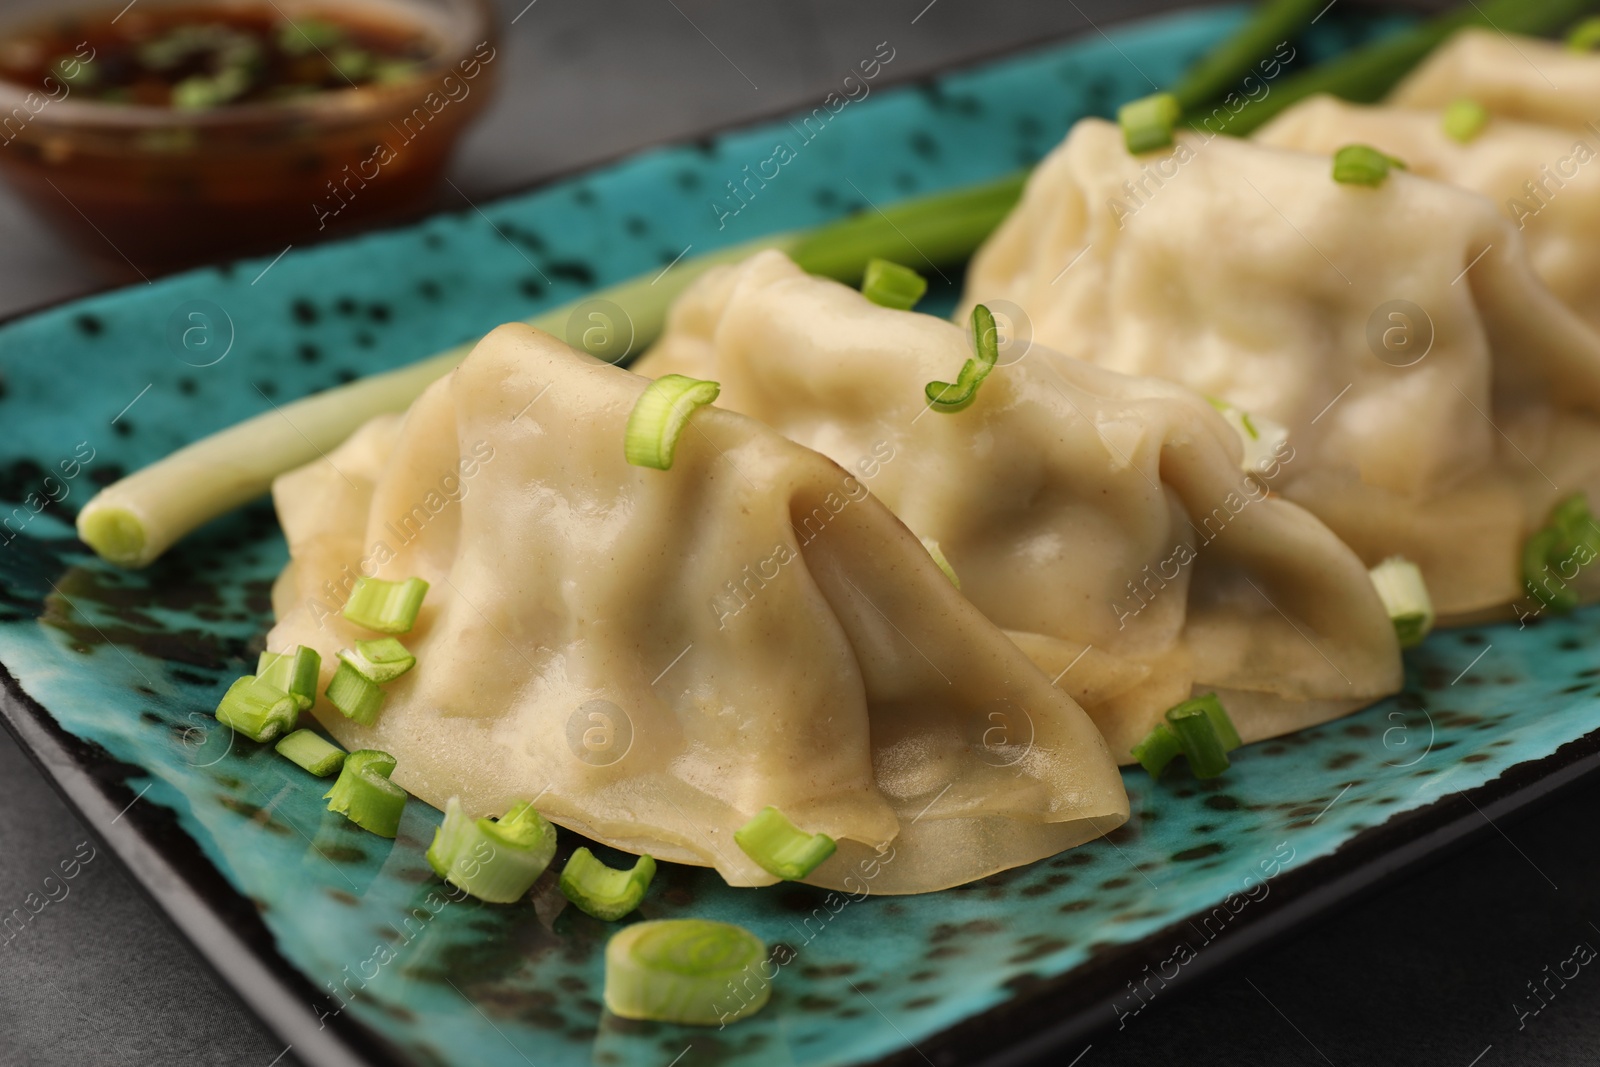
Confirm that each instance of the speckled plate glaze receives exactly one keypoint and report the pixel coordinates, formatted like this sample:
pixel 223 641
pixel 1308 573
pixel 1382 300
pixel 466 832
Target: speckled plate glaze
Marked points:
pixel 346 944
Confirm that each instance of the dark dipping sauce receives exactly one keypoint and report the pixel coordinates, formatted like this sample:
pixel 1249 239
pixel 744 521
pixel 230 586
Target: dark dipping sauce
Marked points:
pixel 162 135
pixel 198 56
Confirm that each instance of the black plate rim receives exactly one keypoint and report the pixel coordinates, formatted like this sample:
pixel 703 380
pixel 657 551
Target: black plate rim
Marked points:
pixel 223 927
pixel 215 920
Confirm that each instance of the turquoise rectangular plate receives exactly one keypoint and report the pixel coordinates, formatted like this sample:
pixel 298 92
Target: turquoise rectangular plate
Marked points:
pixel 344 942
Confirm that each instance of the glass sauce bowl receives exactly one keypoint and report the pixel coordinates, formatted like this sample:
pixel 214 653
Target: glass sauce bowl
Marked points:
pixel 145 189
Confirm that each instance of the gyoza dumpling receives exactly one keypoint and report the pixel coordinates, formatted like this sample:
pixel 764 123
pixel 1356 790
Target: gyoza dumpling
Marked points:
pixel 572 647
pixel 1439 398
pixel 1544 179
pixel 1102 520
pixel 1516 77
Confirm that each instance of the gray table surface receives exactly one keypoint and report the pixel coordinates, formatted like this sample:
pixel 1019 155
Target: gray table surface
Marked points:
pixel 1425 972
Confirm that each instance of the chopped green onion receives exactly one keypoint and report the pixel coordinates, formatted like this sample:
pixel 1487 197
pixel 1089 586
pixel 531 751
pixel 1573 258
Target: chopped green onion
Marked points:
pixel 392 71
pixel 1465 119
pixel 1159 748
pixel 959 395
pixel 659 416
pixel 1585 36
pixel 1569 541
pixel 1405 596
pixel 892 285
pixel 301 37
pixel 259 711
pixel 1539 553
pixel 685 971
pixel 352 63
pixel 311 752
pixel 938 557
pixel 83 72
pixel 356 696
pixel 388 607
pixel 602 891
pixel 1359 164
pixel 1191 723
pixel 293 672
pixel 1262 437
pixel 381 660
pixel 1147 123
pixel 496 860
pixel 1198 729
pixel 1227 734
pixel 364 794
pixel 1571 516
pixel 773 841
pixel 200 91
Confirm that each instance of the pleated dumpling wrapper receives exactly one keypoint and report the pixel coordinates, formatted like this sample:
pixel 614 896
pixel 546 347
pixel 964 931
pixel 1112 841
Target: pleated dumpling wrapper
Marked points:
pixel 1102 520
pixel 1546 180
pixel 1516 77
pixel 571 649
pixel 1440 400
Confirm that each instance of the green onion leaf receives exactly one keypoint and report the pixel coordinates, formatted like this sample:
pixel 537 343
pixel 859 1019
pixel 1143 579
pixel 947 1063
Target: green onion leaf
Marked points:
pixel 1367 73
pixel 1465 119
pixel 1229 64
pixel 381 660
pixel 1191 723
pixel 659 416
pixel 602 891
pixel 956 396
pixel 686 971
pixel 938 557
pixel 1585 36
pixel 388 607
pixel 356 696
pixel 311 752
pixel 1159 748
pixel 892 285
pixel 1147 123
pixel 293 672
pixel 1359 164
pixel 496 860
pixel 1405 596
pixel 364 794
pixel 773 841
pixel 944 228
pixel 259 711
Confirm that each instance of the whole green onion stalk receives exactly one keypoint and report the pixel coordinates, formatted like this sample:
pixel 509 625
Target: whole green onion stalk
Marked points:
pixel 134 520
pixel 1368 73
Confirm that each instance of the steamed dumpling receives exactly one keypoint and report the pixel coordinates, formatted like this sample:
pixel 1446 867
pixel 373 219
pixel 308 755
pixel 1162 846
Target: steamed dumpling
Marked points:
pixel 1102 520
pixel 1544 179
pixel 1515 77
pixel 571 647
pixel 1439 399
